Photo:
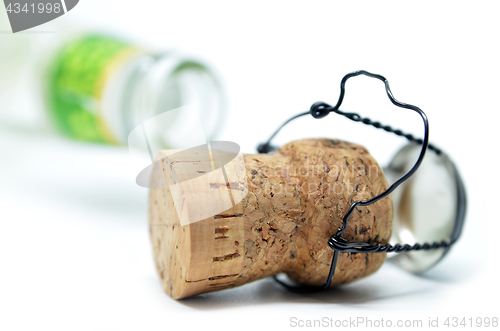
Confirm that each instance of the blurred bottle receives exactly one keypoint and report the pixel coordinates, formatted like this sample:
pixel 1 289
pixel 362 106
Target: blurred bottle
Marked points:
pixel 98 88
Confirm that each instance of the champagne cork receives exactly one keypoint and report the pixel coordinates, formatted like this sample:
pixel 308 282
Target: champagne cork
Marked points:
pixel 282 209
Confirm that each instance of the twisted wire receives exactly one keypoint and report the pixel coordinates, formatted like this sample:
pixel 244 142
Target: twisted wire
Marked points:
pixel 339 244
pixel 365 120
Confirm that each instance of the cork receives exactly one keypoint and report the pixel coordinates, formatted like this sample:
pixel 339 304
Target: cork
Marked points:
pixel 285 207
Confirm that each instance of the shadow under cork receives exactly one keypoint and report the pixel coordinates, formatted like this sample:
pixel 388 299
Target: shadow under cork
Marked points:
pixel 268 291
pixel 389 284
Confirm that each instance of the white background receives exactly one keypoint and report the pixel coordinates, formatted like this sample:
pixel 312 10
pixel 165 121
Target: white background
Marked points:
pixel 74 243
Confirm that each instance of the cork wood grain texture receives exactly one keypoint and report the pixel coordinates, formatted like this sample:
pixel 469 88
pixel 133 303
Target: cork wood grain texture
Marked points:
pixel 296 200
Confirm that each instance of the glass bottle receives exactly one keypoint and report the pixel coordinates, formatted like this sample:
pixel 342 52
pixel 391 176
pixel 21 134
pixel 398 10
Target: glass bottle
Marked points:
pixel 99 88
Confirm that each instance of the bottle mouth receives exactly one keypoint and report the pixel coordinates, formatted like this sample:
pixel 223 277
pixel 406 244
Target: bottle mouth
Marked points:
pixel 157 89
pixel 429 207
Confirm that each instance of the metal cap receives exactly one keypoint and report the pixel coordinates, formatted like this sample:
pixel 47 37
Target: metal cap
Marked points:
pixel 429 207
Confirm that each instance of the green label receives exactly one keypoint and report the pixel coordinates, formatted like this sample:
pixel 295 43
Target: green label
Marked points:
pixel 76 81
